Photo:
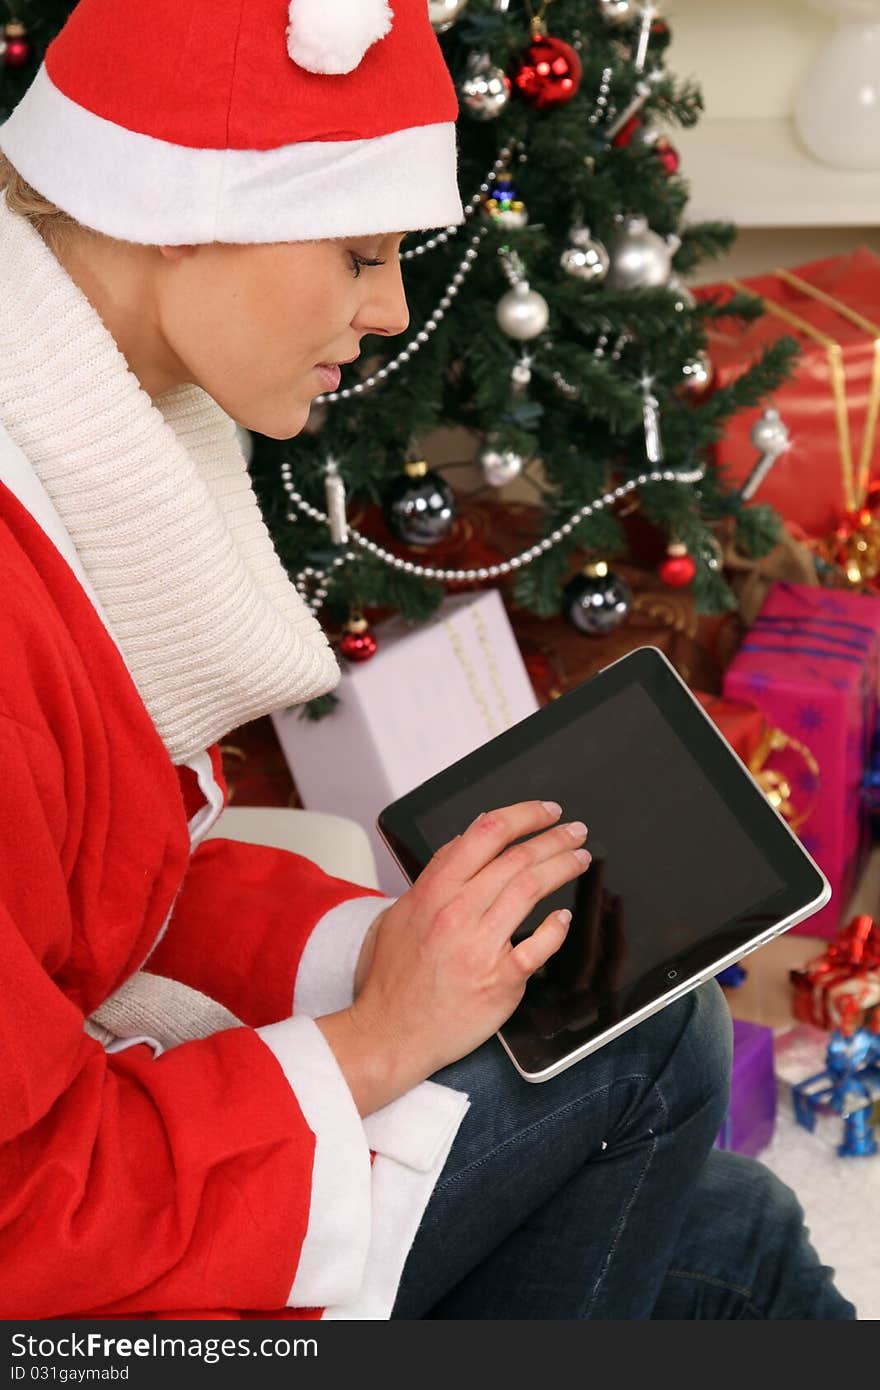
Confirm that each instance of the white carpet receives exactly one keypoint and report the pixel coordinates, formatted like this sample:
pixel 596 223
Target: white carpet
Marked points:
pixel 840 1196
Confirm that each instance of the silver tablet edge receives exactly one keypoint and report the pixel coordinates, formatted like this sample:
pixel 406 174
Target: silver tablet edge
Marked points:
pixel 676 993
pixel 711 971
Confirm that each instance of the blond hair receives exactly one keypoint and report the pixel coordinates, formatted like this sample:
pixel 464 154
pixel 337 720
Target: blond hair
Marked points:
pixel 53 224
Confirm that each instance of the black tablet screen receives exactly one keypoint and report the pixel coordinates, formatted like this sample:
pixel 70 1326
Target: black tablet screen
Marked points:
pixel 669 856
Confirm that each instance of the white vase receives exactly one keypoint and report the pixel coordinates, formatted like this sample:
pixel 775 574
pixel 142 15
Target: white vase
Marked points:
pixel 837 110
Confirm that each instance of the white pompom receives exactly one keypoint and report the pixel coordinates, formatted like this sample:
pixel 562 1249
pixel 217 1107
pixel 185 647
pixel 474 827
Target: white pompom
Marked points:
pixel 332 36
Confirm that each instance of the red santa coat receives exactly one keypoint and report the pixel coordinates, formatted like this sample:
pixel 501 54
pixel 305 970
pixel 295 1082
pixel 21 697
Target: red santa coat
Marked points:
pixel 183 1184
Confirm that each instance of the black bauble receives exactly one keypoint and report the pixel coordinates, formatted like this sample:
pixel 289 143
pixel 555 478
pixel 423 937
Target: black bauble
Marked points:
pixel 419 507
pixel 597 600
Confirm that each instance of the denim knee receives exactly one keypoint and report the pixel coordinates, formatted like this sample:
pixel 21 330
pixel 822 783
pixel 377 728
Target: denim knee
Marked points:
pixel 695 1079
pixel 745 1252
pixel 711 1037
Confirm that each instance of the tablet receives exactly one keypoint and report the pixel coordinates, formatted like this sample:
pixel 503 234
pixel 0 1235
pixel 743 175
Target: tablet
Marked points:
pixel 692 868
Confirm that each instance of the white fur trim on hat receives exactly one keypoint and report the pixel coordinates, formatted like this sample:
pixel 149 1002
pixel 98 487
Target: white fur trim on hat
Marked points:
pixel 332 36
pixel 137 188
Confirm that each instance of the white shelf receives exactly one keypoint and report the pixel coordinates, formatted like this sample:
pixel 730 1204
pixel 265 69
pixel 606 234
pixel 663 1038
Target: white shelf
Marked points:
pixel 756 173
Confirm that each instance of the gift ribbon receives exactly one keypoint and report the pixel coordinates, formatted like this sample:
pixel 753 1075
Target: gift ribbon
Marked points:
pixel 859 320
pixel 857 948
pixel 854 493
pixel 777 788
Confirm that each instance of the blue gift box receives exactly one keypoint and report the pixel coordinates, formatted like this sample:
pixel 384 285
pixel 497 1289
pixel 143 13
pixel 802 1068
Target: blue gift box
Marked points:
pixel 751 1117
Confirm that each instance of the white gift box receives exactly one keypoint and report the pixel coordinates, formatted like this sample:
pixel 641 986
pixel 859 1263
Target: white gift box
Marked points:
pixel 431 694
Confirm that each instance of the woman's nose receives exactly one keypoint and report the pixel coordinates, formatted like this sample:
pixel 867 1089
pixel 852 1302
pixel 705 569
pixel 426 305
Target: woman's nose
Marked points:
pixel 386 311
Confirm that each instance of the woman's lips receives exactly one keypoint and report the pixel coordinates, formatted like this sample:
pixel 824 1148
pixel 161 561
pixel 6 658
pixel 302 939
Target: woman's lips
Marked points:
pixel 331 375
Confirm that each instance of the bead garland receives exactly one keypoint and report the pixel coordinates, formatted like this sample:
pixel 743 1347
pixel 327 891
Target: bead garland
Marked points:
pixel 602 100
pixel 608 499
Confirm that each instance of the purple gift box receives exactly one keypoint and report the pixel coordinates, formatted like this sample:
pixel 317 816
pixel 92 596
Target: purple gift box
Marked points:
pixel 811 663
pixel 751 1117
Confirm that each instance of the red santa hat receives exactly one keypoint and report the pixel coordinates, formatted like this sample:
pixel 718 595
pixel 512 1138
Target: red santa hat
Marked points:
pixel 179 122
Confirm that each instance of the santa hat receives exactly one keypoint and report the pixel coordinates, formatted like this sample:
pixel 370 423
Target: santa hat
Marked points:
pixel 179 122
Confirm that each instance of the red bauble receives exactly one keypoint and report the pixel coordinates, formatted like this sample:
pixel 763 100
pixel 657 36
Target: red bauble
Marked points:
pixel 358 646
pixel 668 155
pixel 548 73
pixel 660 33
pixel 17 50
pixel 678 569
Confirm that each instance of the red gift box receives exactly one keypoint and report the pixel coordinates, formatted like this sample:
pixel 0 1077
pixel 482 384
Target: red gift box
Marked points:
pixel 849 968
pixel 783 767
pixel 830 405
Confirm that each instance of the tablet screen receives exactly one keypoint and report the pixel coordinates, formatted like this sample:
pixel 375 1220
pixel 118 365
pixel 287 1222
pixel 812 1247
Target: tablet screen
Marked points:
pixel 689 860
pixel 650 810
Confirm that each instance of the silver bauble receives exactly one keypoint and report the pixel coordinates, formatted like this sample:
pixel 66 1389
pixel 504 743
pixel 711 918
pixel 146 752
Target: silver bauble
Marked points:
pixel 618 13
pixel 522 313
pixel 770 434
pixel 485 90
pixel 499 466
pixel 586 259
pixel 640 259
pixel 521 375
pixel 596 600
pixel 444 13
pixel 698 374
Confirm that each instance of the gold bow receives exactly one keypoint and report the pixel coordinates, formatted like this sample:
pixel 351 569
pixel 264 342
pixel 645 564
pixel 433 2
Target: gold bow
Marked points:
pixel 774 785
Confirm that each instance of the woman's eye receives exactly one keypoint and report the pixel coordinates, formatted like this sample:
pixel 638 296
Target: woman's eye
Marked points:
pixel 358 261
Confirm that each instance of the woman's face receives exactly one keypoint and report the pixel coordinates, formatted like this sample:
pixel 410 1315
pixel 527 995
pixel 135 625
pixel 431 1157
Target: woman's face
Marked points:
pixel 249 324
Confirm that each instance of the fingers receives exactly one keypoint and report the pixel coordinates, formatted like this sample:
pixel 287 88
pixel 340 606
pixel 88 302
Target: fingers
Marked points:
pixel 525 873
pixel 537 949
pixel 529 887
pixel 485 838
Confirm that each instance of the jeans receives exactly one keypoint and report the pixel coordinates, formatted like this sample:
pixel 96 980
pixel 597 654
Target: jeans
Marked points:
pixel 598 1194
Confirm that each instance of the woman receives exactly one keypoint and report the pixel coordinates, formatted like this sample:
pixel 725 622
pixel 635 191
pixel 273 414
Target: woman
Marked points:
pixel 297 1109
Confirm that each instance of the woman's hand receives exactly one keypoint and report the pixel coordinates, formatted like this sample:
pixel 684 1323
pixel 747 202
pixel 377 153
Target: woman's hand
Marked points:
pixel 442 973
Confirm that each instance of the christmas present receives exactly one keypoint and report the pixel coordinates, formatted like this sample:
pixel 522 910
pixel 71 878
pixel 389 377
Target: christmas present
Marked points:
pixel 848 969
pixel 783 767
pixel 830 405
pixel 811 662
pixel 428 696
pixel 751 1117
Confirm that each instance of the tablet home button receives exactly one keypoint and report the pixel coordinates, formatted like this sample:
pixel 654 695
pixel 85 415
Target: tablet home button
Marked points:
pixel 672 974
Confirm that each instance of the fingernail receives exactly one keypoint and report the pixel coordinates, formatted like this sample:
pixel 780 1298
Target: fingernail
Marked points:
pixel 479 817
pixel 564 916
pixel 553 808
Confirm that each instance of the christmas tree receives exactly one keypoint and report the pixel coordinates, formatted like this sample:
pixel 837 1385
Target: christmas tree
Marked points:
pixel 553 325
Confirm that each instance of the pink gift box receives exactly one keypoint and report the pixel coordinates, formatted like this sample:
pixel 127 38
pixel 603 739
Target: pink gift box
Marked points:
pixel 811 662
pixel 430 695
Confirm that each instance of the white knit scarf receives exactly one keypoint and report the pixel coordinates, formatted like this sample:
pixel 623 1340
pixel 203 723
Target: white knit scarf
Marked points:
pixel 158 504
